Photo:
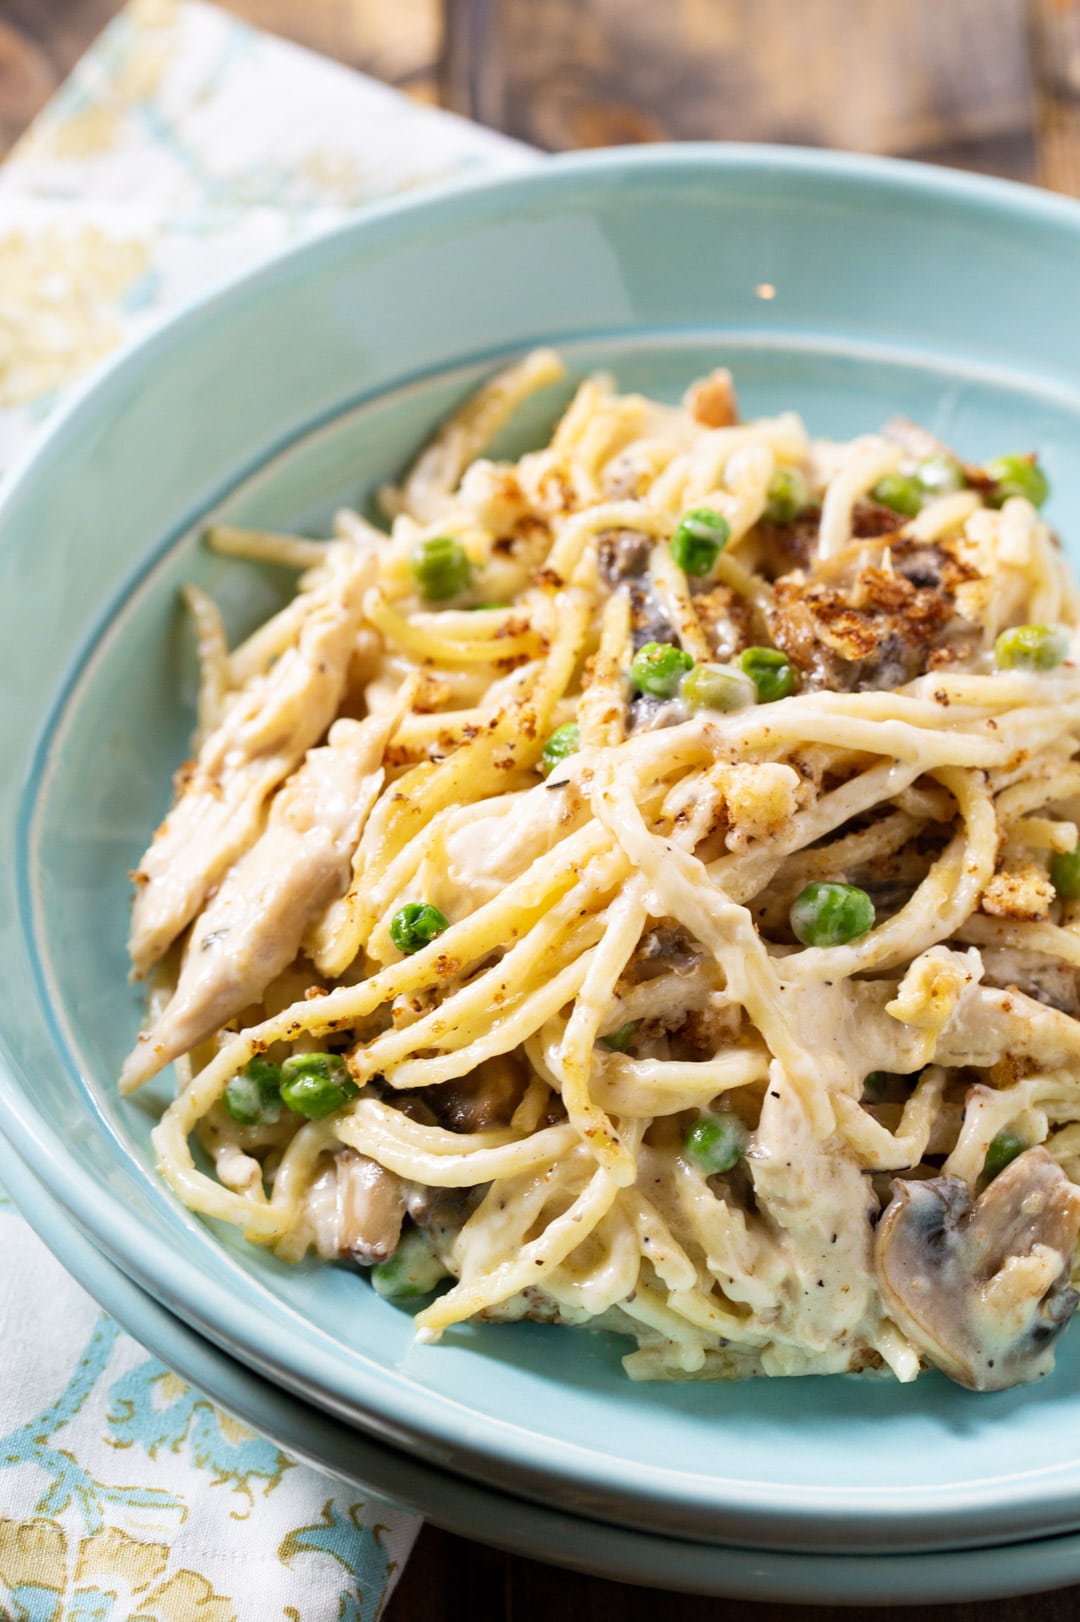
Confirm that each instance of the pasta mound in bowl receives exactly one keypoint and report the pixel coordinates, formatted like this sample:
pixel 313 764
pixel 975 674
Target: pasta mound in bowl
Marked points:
pixel 642 890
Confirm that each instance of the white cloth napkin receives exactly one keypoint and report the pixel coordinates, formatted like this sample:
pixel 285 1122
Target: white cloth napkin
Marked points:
pixel 125 1494
pixel 184 146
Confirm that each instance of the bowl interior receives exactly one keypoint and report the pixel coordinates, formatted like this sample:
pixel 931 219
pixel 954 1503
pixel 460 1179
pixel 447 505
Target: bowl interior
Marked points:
pixel 651 273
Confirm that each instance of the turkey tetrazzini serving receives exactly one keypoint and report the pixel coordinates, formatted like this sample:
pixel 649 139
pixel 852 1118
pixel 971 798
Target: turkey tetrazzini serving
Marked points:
pixel 643 891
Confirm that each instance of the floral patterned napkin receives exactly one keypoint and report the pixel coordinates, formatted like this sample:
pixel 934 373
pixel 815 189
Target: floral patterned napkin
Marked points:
pixel 125 1496
pixel 184 146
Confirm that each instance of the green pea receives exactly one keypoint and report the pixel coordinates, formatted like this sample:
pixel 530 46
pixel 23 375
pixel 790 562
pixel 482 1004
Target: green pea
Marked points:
pixel 440 568
pixel 486 608
pixel 1031 647
pixel 1003 1149
pixel 254 1096
pixel 828 913
pixel 563 742
pixel 714 687
pixel 1017 476
pixel 877 1083
pixel 787 495
pixel 940 475
pixel 1065 874
pixel 699 540
pixel 658 668
pixel 902 492
pixel 316 1084
pixel 413 1269
pixel 770 671
pixel 715 1142
pixel 416 925
pixel 618 1041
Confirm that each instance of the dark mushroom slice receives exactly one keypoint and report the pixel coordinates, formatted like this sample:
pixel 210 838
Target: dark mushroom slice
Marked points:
pixel 370 1208
pixel 648 714
pixel 980 1286
pixel 648 621
pixel 484 1099
pixel 1047 979
pixel 665 948
pixel 441 1213
pixel 623 554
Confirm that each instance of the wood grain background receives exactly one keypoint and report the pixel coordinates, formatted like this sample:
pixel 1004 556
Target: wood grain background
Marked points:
pixel 982 84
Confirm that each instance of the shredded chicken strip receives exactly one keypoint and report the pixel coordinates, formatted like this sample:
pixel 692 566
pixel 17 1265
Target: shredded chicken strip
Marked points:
pixel 253 927
pixel 265 732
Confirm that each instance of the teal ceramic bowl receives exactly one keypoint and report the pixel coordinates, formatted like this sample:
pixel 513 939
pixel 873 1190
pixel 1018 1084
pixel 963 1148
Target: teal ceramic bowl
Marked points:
pixel 952 300
pixel 541 1531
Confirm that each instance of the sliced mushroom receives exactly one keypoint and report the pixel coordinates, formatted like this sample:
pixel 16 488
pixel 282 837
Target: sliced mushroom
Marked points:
pixel 648 619
pixel 648 714
pixel 487 1097
pixel 666 948
pixel 441 1213
pixel 623 554
pixel 981 1286
pixel 356 1208
pixel 1049 980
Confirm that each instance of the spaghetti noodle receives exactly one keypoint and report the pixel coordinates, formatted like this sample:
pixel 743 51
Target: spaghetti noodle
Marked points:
pixel 641 890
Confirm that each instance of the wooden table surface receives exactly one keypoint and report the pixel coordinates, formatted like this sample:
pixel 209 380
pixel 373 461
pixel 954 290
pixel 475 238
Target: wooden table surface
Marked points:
pixel 992 85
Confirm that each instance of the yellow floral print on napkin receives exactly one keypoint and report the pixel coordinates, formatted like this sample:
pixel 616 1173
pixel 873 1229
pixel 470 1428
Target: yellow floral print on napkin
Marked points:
pixel 164 165
pixel 107 1576
pixel 133 78
pixel 60 296
pixel 191 1532
pixel 85 134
